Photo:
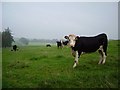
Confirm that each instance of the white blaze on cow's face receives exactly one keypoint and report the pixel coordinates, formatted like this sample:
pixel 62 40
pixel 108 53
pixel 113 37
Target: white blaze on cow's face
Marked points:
pixel 71 39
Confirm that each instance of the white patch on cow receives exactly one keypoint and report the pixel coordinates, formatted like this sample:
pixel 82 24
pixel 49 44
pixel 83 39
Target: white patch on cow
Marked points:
pixel 76 59
pixel 61 43
pixel 72 40
pixel 101 48
pixel 72 43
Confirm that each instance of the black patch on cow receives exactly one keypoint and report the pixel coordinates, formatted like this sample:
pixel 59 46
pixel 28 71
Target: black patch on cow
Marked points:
pixel 48 45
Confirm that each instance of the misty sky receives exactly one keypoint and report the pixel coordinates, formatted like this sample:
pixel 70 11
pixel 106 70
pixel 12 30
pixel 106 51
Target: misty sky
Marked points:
pixel 54 20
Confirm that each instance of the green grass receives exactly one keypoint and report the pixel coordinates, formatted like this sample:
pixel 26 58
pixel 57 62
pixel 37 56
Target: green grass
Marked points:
pixel 0 68
pixel 42 67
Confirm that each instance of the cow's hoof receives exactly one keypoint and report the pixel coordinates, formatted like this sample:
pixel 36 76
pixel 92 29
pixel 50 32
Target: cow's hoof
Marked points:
pixel 74 65
pixel 99 63
pixel 103 62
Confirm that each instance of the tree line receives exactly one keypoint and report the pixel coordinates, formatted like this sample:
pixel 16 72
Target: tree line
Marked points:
pixel 6 38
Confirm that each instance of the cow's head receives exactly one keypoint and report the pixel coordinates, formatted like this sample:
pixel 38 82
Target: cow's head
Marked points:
pixel 72 39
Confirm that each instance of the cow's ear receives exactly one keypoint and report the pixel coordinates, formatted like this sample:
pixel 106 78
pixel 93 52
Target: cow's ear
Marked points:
pixel 66 37
pixel 77 37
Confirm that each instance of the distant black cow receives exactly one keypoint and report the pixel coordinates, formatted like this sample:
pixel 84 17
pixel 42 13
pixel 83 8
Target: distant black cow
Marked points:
pixel 65 43
pixel 14 48
pixel 59 44
pixel 88 44
pixel 48 45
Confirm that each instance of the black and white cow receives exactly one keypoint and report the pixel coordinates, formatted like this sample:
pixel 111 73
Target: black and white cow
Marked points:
pixel 48 45
pixel 88 44
pixel 14 48
pixel 65 43
pixel 59 44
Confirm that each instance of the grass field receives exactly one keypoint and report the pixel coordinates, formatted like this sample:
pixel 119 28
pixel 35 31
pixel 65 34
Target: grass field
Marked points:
pixel 0 68
pixel 42 67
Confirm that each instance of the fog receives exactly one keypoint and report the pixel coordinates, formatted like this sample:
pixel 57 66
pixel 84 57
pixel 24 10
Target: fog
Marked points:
pixel 54 20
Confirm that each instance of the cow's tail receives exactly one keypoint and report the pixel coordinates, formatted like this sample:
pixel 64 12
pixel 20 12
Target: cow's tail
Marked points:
pixel 105 44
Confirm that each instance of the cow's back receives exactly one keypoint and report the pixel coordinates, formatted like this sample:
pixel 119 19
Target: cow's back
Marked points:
pixel 87 44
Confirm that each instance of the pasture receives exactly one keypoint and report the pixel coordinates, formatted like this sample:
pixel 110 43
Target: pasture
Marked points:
pixel 49 67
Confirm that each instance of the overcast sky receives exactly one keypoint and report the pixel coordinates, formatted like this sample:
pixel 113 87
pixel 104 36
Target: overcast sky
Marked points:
pixel 53 20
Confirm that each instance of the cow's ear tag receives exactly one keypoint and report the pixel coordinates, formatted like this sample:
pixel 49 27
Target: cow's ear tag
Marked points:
pixel 77 37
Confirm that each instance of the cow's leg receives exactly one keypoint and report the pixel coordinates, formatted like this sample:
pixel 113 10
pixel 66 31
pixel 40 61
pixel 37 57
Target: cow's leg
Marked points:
pixel 76 59
pixel 101 56
pixel 101 51
pixel 73 53
pixel 104 58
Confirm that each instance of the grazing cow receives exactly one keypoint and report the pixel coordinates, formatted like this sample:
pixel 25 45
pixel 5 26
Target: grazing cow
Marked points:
pixel 48 45
pixel 14 48
pixel 87 45
pixel 65 43
pixel 59 44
